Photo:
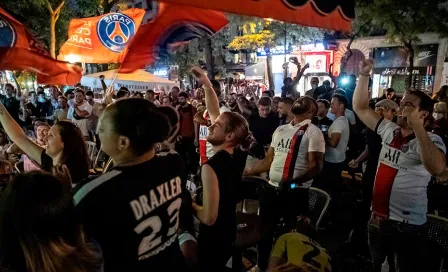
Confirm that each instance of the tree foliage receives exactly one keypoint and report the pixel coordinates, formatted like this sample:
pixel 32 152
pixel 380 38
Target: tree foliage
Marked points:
pixel 34 14
pixel 402 20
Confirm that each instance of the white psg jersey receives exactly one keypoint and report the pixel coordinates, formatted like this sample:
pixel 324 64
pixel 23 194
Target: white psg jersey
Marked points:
pixel 289 158
pixel 401 180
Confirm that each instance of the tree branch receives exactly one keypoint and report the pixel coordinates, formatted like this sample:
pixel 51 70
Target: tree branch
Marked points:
pixel 352 39
pixel 58 9
pixel 49 7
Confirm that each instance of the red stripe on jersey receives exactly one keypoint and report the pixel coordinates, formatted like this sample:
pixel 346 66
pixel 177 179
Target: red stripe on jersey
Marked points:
pixel 203 142
pixel 385 177
pixel 289 158
pixel 203 151
pixel 382 189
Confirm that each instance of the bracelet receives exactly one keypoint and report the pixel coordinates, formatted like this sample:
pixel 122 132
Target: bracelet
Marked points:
pixel 364 75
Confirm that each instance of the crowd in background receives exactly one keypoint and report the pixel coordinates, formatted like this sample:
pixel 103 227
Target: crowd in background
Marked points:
pixel 57 214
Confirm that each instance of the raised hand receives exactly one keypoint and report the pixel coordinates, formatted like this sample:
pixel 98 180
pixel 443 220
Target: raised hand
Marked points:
pixel 365 67
pixel 200 76
pixel 416 119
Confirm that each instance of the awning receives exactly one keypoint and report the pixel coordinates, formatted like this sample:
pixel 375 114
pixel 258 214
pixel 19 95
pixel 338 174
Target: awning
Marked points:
pixel 139 80
pixel 334 14
pixel 254 71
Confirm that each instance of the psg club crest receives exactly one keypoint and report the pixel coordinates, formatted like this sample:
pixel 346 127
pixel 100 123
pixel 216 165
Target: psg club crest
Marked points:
pixel 300 132
pixel 8 34
pixel 115 30
pixel 404 148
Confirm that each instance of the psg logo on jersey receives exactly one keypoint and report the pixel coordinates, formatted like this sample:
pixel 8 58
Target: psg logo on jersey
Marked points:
pixel 7 33
pixel 404 148
pixel 300 132
pixel 115 30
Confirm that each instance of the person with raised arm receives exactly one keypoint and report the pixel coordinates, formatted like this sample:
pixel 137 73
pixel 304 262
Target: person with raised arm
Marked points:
pixel 221 175
pixel 65 152
pixel 408 158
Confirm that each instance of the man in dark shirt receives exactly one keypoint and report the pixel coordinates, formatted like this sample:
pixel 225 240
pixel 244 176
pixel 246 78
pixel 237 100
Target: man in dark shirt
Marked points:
pixel 188 137
pixel 262 125
pixel 31 106
pixel 12 104
pixel 44 107
pixel 324 91
pixel 321 120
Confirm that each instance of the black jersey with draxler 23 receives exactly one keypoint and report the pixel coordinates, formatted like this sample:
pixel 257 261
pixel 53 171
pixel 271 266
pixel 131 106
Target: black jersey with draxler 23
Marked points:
pixel 134 214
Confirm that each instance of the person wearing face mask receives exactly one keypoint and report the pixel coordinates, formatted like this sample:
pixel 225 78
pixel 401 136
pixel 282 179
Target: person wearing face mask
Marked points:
pixel 440 124
pixel 188 137
pixel 314 84
pixel 70 95
pixel 295 157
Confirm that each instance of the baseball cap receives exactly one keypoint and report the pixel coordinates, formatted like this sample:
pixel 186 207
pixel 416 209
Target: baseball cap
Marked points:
pixel 385 103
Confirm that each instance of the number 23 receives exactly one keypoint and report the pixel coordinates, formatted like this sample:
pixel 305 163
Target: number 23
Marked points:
pixel 154 222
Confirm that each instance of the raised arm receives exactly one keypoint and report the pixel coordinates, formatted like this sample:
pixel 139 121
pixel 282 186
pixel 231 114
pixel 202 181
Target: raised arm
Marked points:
pixel 208 212
pixel 103 84
pixel 242 108
pixel 17 135
pixel 211 100
pixel 299 75
pixel 361 96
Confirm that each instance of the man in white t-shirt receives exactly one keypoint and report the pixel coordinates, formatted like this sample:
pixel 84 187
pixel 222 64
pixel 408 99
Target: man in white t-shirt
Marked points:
pixel 348 113
pixel 79 113
pixel 336 140
pixel 294 158
pixel 409 157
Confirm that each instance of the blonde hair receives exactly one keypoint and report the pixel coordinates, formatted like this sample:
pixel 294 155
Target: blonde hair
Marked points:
pixel 57 256
pixel 442 107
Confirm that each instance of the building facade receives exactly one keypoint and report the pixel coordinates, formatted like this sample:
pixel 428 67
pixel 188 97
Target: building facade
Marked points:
pixel 391 62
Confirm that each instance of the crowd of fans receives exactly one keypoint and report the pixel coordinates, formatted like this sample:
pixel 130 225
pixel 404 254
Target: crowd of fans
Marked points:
pixel 141 215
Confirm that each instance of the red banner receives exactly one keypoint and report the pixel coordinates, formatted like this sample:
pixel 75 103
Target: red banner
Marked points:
pixel 19 51
pixel 101 39
pixel 334 14
pixel 173 26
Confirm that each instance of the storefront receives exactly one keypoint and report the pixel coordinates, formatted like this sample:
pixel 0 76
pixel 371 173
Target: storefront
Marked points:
pixel 318 55
pixel 244 71
pixel 391 69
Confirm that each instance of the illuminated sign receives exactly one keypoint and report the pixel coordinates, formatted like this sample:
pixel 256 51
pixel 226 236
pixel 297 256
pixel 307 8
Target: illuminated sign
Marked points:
pixel 161 73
